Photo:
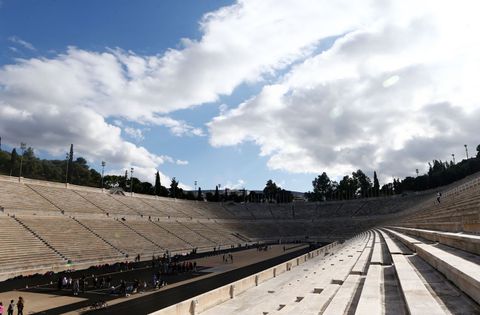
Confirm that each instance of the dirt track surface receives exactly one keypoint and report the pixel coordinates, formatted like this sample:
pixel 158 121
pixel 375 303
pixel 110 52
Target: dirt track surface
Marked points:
pixel 212 272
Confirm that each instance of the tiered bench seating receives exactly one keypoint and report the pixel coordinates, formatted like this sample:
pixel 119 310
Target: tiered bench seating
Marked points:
pixel 372 273
pixel 183 231
pixel 72 240
pixel 159 235
pixel 106 202
pixel 459 212
pixel 121 236
pixel 21 250
pixel 292 228
pixel 306 210
pixel 208 231
pixel 302 290
pixel 460 267
pixel 164 206
pixel 282 211
pixel 214 210
pixel 466 242
pixel 191 209
pixel 137 205
pixel 239 211
pixel 66 200
pixel 260 210
pixel 234 239
pixel 20 197
pixel 256 230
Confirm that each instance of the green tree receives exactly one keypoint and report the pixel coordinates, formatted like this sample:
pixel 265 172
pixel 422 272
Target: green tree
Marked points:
pixel 175 191
pixel 397 186
pixel 347 187
pixel 190 195
pixel 271 190
pixel 70 164
pixel 322 187
pixel 216 196
pixel 478 151
pixel 387 189
pixel 13 160
pixel 376 184
pixel 362 182
pixel 124 181
pixel 157 183
pixel 4 162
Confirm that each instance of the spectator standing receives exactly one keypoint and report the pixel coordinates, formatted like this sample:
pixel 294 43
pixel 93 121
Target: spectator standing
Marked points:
pixel 20 305
pixel 76 287
pixel 11 307
pixel 1 308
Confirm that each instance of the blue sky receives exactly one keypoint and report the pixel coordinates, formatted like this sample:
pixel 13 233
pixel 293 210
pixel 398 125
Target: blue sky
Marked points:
pixel 236 93
pixel 147 29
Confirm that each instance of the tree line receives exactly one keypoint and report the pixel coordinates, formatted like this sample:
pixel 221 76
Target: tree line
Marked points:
pixel 78 172
pixel 359 185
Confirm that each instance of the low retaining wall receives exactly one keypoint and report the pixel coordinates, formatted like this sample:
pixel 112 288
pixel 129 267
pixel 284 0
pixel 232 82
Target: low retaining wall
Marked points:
pixel 219 295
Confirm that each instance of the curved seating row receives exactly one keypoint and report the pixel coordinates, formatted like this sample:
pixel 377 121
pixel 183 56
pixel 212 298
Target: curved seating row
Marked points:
pixel 381 271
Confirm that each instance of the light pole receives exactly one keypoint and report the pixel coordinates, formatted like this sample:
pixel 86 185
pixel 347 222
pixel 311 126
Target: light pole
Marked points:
pixel 103 169
pixel 416 170
pixel 23 146
pixel 195 183
pixel 466 150
pixel 131 181
pixel 453 157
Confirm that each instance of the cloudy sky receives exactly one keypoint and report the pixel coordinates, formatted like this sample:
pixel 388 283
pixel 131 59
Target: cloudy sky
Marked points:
pixel 236 93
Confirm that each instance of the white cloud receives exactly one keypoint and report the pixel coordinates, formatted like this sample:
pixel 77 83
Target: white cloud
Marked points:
pixel 181 162
pixel 17 40
pixel 134 133
pixel 239 44
pixel 239 184
pixel 178 127
pixel 389 95
pixel 329 111
pixel 67 98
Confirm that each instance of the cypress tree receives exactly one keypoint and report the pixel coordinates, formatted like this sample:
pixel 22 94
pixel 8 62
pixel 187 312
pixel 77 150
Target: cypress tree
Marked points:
pixel 70 164
pixel 124 180
pixel 157 184
pixel 216 197
pixel 13 160
pixel 376 184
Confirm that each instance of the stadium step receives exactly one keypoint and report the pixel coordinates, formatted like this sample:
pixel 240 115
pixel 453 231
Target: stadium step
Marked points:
pixel 460 267
pixel 466 242
pixel 140 234
pixel 304 289
pixel 197 232
pixel 174 234
pixel 99 236
pixel 40 238
pixel 395 280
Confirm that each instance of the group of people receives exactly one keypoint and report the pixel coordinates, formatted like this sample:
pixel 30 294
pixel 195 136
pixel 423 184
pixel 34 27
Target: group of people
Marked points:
pixel 265 247
pixel 79 285
pixel 227 258
pixel 168 265
pixel 11 307
pixel 125 288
